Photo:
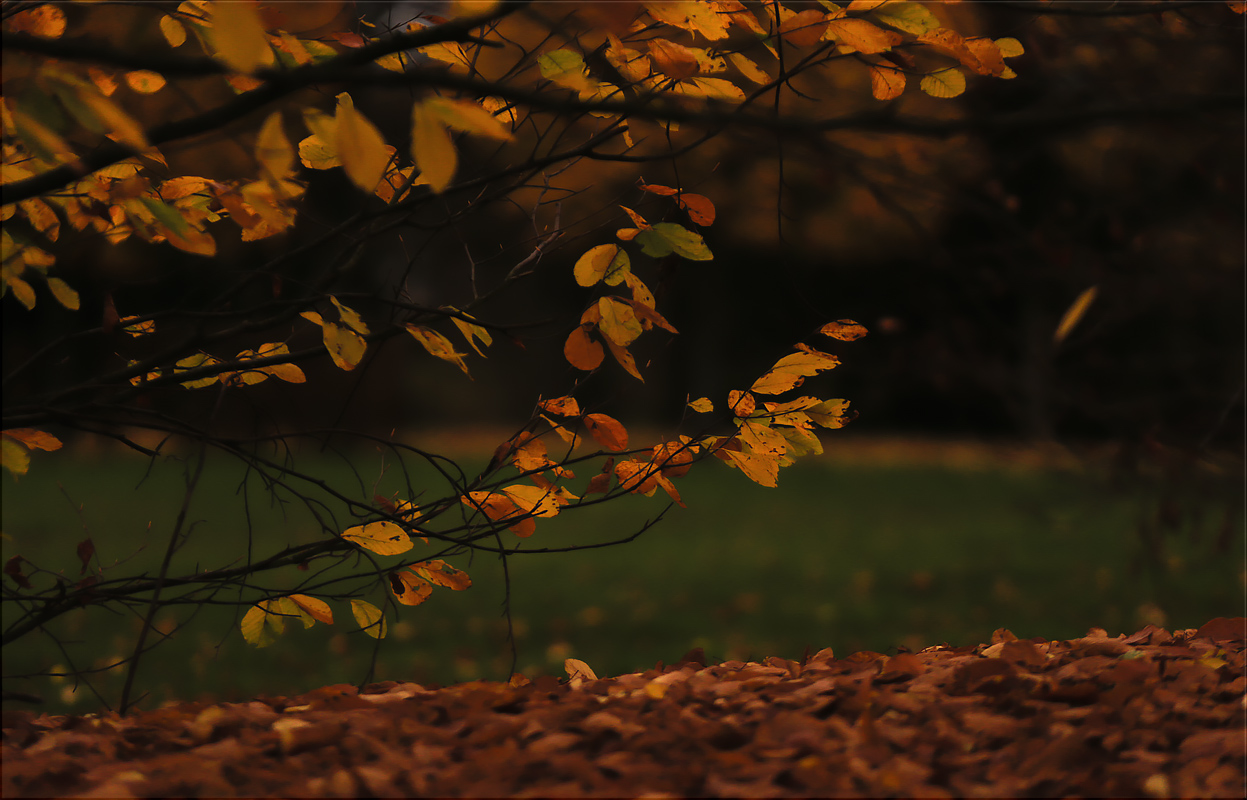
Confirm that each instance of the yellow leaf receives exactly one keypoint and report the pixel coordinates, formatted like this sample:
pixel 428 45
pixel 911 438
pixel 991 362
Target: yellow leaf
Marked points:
pixel 193 362
pixel 431 148
pixel 830 413
pixel 471 332
pixel 607 431
pixel 695 16
pixel 409 588
pixel 886 83
pixel 944 83
pixel 145 81
pixel 370 618
pixel 863 36
pixel 578 669
pixel 499 507
pixel 438 346
pixel 702 405
pixel 1074 314
pixel 710 88
pixel 593 265
pixel 315 608
pixel 345 346
pixel 173 31
pixel 749 69
pixel 845 330
pixel 533 500
pixel 22 290
pixel 640 292
pixel 582 352
pixel 1010 47
pixel 34 439
pixel 14 457
pixel 273 150
pixel 360 146
pixel 665 238
pixel 315 153
pixel 619 322
pixel 260 628
pixel 63 293
pixel 760 439
pixel 350 317
pixel 467 116
pixel 791 370
pixel 566 68
pixel 761 469
pixel 139 328
pixel 383 538
pixel 238 36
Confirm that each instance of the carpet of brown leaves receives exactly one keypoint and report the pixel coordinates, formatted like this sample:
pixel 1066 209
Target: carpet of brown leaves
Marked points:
pixel 1150 714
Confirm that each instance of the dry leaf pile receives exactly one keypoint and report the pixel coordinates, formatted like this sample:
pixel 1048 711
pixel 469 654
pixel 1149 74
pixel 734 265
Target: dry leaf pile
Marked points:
pixel 1150 714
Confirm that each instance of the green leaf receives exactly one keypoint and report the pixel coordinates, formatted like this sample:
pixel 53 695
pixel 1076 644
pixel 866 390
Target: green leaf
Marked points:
pixel 14 457
pixel 665 238
pixel 912 18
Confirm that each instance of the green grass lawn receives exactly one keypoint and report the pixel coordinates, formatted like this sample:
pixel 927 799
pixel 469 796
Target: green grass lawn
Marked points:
pixel 852 558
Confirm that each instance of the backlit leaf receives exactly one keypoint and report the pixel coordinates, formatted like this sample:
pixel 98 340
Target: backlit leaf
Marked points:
pixel 1074 314
pixel 467 116
pixel 761 469
pixel 315 608
pixel 582 352
pixel 438 346
pixel 702 405
pixel 64 295
pixel 273 149
pixel 471 331
pixel 591 267
pixel 1010 47
pixel 113 119
pixel 34 439
pixel 345 346
pixel 863 36
pixel 173 31
pixel 384 538
pixel 665 238
pixel 409 588
pixel 607 431
pixel 791 370
pixel 566 68
pixel 497 506
pixel 804 29
pixel 886 83
pixel 619 322
pixel 710 88
pixel 561 406
pixel 845 330
pixel 761 439
pixel 533 500
pixel 578 669
pixel 370 618
pixel 260 628
pixel 749 69
pixel 14 457
pixel 193 362
pixel 145 81
pixel 830 413
pixel 673 60
pixel 360 145
pixel 350 317
pixel 741 403
pixel 913 18
pixel 238 36
pixel 625 359
pixel 46 20
pixel 945 83
pixel 431 148
pixel 41 140
pixel 690 15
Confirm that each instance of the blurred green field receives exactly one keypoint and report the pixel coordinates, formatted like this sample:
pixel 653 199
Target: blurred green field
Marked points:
pixel 852 556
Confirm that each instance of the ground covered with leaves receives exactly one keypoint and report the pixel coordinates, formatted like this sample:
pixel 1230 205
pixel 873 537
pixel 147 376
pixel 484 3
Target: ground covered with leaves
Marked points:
pixel 1150 714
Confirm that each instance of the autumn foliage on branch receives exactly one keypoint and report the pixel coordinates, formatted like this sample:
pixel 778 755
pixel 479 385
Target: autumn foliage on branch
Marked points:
pixel 504 98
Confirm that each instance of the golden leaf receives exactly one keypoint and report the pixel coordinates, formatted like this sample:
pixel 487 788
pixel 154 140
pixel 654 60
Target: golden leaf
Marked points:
pixel 370 618
pixel 238 36
pixel 607 431
pixel 384 538
pixel 431 148
pixel 359 146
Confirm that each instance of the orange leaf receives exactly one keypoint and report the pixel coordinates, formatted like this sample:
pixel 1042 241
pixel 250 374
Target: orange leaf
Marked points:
pixel 863 36
pixel 805 29
pixel 846 330
pixel 318 609
pixel 637 477
pixel 34 439
pixel 439 573
pixel 561 406
pixel 625 359
pixel 582 352
pixel 599 484
pixel 607 432
pixel 886 83
pixel 409 588
pixel 761 469
pixel 741 403
pixel 674 60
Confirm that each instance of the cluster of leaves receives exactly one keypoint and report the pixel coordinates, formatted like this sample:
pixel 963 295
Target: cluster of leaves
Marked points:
pixel 78 154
